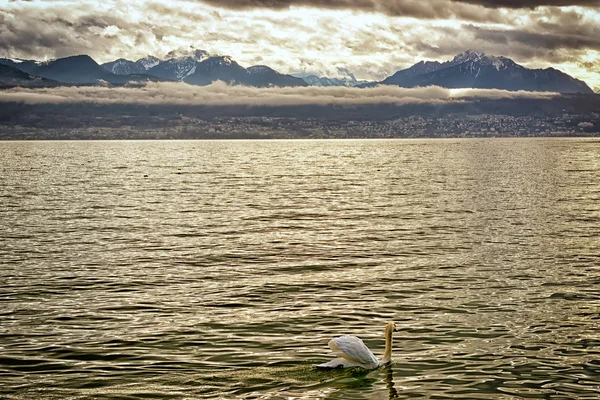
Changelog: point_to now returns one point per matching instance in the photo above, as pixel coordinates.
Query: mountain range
(176, 65)
(470, 69)
(344, 78)
(11, 77)
(198, 67)
(81, 69)
(474, 69)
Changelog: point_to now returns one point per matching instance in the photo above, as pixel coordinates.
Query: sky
(372, 38)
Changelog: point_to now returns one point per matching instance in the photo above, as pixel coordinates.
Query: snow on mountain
(123, 67)
(217, 68)
(148, 62)
(479, 57)
(498, 64)
(259, 69)
(191, 71)
(196, 54)
(469, 69)
(174, 68)
(337, 77)
(469, 55)
(179, 64)
(224, 60)
(79, 69)
(128, 67)
(199, 67)
(175, 65)
(475, 69)
(344, 74)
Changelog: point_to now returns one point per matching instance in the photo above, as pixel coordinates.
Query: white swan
(352, 352)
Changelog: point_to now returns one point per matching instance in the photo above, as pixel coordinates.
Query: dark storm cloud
(551, 40)
(52, 31)
(415, 8)
(60, 31)
(532, 3)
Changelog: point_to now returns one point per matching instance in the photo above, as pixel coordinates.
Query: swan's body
(352, 352)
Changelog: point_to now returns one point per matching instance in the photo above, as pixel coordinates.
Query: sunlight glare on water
(221, 269)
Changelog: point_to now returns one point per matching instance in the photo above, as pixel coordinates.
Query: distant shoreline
(426, 138)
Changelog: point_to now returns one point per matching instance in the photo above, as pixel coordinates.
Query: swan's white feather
(354, 350)
(338, 363)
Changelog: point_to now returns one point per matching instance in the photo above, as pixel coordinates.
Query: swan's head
(392, 326)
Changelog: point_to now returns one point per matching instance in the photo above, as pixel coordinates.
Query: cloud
(341, 33)
(531, 3)
(430, 9)
(221, 94)
(32, 97)
(417, 8)
(60, 31)
(547, 36)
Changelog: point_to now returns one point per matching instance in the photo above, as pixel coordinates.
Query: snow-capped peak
(120, 65)
(498, 63)
(226, 60)
(469, 55)
(148, 62)
(334, 76)
(345, 74)
(196, 54)
(480, 57)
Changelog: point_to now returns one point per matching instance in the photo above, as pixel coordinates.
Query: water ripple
(221, 269)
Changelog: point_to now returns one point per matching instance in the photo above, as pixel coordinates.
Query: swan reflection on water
(360, 380)
(389, 382)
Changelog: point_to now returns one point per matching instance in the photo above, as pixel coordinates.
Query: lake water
(216, 269)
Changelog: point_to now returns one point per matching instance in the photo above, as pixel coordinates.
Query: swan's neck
(387, 354)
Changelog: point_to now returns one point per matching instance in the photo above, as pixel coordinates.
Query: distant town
(264, 127)
(562, 115)
(38, 100)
